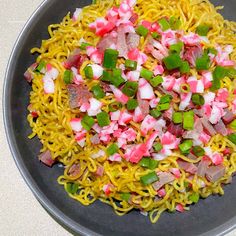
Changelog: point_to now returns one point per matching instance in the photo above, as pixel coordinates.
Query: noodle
(53, 129)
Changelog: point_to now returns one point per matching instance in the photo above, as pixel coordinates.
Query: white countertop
(20, 212)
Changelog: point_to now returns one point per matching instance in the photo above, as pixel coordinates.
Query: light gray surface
(20, 212)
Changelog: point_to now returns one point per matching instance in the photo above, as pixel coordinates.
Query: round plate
(212, 216)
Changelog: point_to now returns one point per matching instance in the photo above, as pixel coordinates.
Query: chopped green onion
(98, 92)
(94, 1)
(117, 79)
(176, 48)
(163, 107)
(175, 23)
(188, 120)
(194, 197)
(130, 88)
(163, 22)
(185, 146)
(198, 99)
(202, 30)
(185, 88)
(146, 74)
(72, 188)
(184, 68)
(232, 125)
(130, 65)
(68, 76)
(132, 104)
(155, 113)
(172, 61)
(211, 51)
(149, 178)
(231, 72)
(149, 163)
(157, 147)
(141, 30)
(232, 138)
(155, 35)
(203, 62)
(114, 106)
(218, 74)
(103, 119)
(156, 81)
(177, 117)
(87, 122)
(112, 149)
(198, 151)
(106, 76)
(88, 71)
(125, 196)
(41, 65)
(84, 45)
(110, 58)
(165, 99)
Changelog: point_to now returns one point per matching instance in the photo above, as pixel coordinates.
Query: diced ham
(115, 157)
(108, 41)
(107, 188)
(169, 141)
(95, 107)
(95, 139)
(214, 173)
(204, 138)
(28, 73)
(133, 75)
(94, 54)
(202, 167)
(124, 118)
(97, 71)
(161, 192)
(179, 207)
(136, 55)
(143, 104)
(164, 178)
(48, 85)
(99, 171)
(77, 14)
(208, 127)
(222, 57)
(158, 70)
(132, 40)
(191, 39)
(168, 37)
(74, 170)
(98, 154)
(216, 158)
(138, 115)
(207, 77)
(220, 128)
(222, 95)
(151, 139)
(134, 18)
(74, 60)
(122, 46)
(78, 94)
(46, 158)
(168, 82)
(176, 172)
(196, 86)
(187, 166)
(176, 130)
(228, 117)
(185, 100)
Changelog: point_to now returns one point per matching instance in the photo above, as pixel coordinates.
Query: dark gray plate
(213, 216)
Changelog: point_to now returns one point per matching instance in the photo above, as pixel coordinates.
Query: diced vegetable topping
(164, 24)
(203, 63)
(88, 71)
(84, 45)
(87, 122)
(114, 106)
(177, 117)
(157, 147)
(72, 188)
(194, 197)
(130, 65)
(98, 92)
(184, 68)
(176, 48)
(110, 58)
(149, 178)
(141, 30)
(130, 88)
(188, 120)
(232, 138)
(156, 81)
(132, 104)
(125, 196)
(68, 77)
(112, 149)
(103, 119)
(198, 99)
(155, 113)
(202, 30)
(232, 125)
(149, 163)
(146, 74)
(165, 99)
(198, 151)
(173, 61)
(186, 146)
